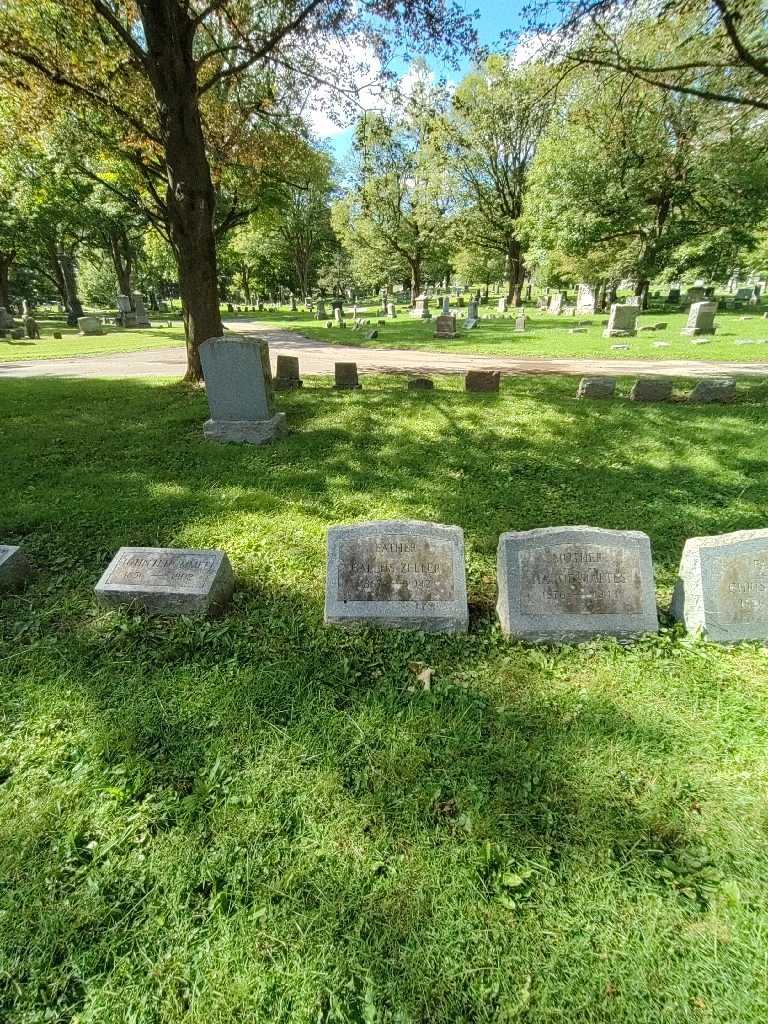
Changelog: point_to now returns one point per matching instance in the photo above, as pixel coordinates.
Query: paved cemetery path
(315, 357)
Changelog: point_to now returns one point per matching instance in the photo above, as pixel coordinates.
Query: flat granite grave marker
(238, 382)
(596, 387)
(404, 574)
(14, 567)
(168, 581)
(714, 389)
(575, 582)
(651, 389)
(345, 375)
(722, 586)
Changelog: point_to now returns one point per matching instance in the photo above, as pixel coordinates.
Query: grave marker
(238, 383)
(287, 377)
(701, 319)
(714, 389)
(345, 375)
(575, 582)
(485, 381)
(14, 567)
(651, 389)
(621, 321)
(445, 327)
(168, 581)
(596, 387)
(403, 574)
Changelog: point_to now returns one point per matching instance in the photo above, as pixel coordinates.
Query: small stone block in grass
(421, 384)
(486, 381)
(345, 375)
(651, 389)
(14, 567)
(720, 390)
(596, 387)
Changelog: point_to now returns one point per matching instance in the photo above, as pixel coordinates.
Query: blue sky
(496, 16)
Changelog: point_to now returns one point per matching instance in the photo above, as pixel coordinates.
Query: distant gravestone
(287, 377)
(238, 382)
(320, 313)
(400, 573)
(127, 314)
(660, 344)
(485, 381)
(345, 375)
(472, 311)
(14, 567)
(575, 582)
(89, 325)
(695, 294)
(585, 299)
(502, 304)
(30, 327)
(391, 311)
(337, 314)
(722, 586)
(421, 384)
(420, 310)
(470, 323)
(519, 324)
(714, 389)
(556, 303)
(445, 327)
(168, 581)
(673, 297)
(622, 321)
(578, 330)
(596, 387)
(142, 320)
(744, 294)
(701, 319)
(651, 389)
(446, 306)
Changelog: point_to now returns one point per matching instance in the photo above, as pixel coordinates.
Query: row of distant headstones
(647, 389)
(554, 584)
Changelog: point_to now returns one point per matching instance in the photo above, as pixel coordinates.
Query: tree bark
(516, 272)
(122, 262)
(73, 304)
(190, 196)
(6, 259)
(415, 280)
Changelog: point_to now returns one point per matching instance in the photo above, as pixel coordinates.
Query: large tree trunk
(122, 262)
(190, 196)
(415, 280)
(6, 259)
(73, 304)
(516, 272)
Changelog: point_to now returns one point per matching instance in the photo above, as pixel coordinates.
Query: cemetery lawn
(258, 818)
(546, 336)
(115, 339)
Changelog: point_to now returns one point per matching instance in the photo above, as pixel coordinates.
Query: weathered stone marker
(287, 376)
(168, 581)
(502, 305)
(714, 389)
(575, 582)
(482, 380)
(421, 384)
(722, 586)
(14, 567)
(89, 325)
(445, 327)
(651, 389)
(420, 310)
(238, 382)
(596, 387)
(556, 303)
(399, 573)
(519, 324)
(345, 375)
(701, 319)
(622, 321)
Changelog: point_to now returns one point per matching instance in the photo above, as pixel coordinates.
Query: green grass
(115, 339)
(261, 819)
(546, 336)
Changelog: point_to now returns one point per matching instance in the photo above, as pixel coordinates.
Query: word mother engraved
(168, 581)
(405, 574)
(722, 586)
(575, 582)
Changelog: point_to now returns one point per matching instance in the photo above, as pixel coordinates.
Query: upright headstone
(287, 377)
(472, 311)
(168, 581)
(238, 382)
(89, 325)
(556, 303)
(400, 573)
(519, 324)
(127, 315)
(482, 380)
(337, 314)
(575, 582)
(502, 304)
(142, 320)
(695, 294)
(585, 299)
(446, 306)
(420, 310)
(445, 327)
(622, 321)
(701, 319)
(345, 375)
(320, 314)
(722, 586)
(391, 311)
(673, 297)
(14, 567)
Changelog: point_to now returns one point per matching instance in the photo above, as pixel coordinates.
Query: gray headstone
(472, 311)
(470, 323)
(519, 324)
(14, 567)
(575, 582)
(420, 310)
(621, 321)
(124, 303)
(346, 376)
(662, 326)
(141, 314)
(585, 299)
(660, 344)
(722, 586)
(404, 574)
(89, 325)
(696, 294)
(446, 306)
(445, 327)
(421, 384)
(596, 387)
(713, 389)
(482, 380)
(168, 581)
(556, 303)
(391, 311)
(502, 305)
(651, 389)
(238, 382)
(701, 319)
(320, 313)
(287, 376)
